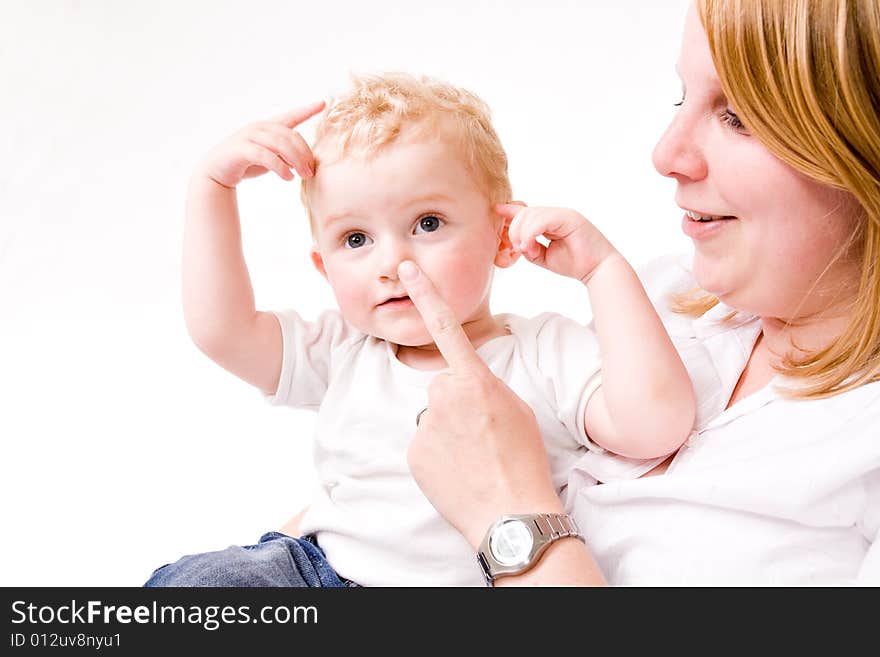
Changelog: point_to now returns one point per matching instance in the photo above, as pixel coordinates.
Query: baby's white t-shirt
(368, 514)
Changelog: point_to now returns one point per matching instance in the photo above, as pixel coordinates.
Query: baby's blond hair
(374, 112)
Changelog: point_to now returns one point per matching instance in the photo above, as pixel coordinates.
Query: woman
(776, 153)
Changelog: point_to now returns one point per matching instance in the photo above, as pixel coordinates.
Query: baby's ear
(506, 254)
(318, 261)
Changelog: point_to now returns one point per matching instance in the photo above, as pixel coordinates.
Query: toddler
(411, 169)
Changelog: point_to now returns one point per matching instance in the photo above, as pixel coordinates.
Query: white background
(123, 447)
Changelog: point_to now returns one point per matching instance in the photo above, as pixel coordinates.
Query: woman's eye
(428, 224)
(356, 240)
(732, 120)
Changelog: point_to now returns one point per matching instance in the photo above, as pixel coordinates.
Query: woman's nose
(679, 153)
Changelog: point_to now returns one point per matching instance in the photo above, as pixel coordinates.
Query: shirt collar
(714, 321)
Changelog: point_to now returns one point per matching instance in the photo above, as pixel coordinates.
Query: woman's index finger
(447, 333)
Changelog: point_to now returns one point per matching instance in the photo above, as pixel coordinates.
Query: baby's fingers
(293, 118)
(513, 214)
(525, 228)
(260, 156)
(289, 146)
(533, 251)
(509, 210)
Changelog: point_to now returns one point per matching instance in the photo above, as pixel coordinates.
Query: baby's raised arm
(218, 300)
(645, 406)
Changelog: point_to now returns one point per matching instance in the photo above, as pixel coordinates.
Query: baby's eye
(428, 224)
(356, 240)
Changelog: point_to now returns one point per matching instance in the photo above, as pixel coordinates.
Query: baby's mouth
(396, 301)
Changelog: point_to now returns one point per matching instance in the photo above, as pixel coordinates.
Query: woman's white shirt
(771, 491)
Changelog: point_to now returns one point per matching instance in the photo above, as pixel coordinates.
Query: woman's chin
(711, 279)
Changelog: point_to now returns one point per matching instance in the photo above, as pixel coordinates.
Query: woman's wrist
(539, 503)
(567, 562)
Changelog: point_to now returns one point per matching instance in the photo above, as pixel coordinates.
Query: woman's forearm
(566, 562)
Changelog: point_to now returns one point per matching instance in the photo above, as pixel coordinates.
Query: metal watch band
(545, 528)
(556, 525)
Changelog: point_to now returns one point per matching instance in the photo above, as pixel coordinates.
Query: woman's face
(772, 231)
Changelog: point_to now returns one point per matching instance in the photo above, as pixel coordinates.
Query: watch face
(511, 543)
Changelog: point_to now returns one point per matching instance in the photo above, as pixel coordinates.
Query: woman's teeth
(706, 217)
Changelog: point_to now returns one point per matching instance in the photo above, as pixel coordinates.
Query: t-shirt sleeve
(309, 349)
(567, 362)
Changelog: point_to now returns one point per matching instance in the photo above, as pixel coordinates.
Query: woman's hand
(477, 453)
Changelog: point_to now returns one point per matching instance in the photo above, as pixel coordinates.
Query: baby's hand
(263, 146)
(575, 249)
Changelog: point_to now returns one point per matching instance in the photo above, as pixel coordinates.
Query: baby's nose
(391, 255)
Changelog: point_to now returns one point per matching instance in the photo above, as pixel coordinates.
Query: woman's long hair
(804, 76)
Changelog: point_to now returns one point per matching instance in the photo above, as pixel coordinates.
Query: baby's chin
(409, 338)
(405, 332)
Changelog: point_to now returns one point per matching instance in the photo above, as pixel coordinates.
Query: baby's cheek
(350, 296)
(467, 282)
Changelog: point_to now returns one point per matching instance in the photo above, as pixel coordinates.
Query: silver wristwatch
(514, 544)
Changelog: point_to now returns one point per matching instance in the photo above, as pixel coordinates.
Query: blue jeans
(277, 560)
